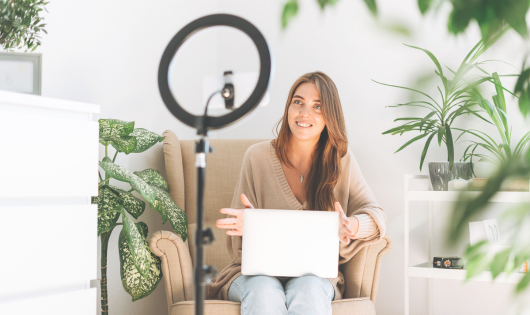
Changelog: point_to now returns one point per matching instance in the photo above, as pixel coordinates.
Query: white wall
(107, 53)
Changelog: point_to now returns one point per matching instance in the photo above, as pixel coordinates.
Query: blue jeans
(271, 296)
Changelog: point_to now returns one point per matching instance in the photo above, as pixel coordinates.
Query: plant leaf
(441, 131)
(499, 262)
(372, 5)
(425, 148)
(522, 88)
(477, 259)
(290, 9)
(107, 201)
(145, 139)
(136, 242)
(134, 283)
(176, 216)
(125, 144)
(153, 178)
(133, 205)
(122, 174)
(523, 284)
(424, 5)
(426, 118)
(450, 148)
(110, 129)
(411, 141)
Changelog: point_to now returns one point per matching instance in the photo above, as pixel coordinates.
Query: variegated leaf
(153, 178)
(145, 139)
(176, 216)
(160, 207)
(134, 205)
(106, 200)
(122, 174)
(136, 242)
(110, 129)
(125, 144)
(134, 283)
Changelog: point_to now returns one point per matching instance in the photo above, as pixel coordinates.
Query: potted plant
(20, 24)
(497, 152)
(455, 99)
(140, 269)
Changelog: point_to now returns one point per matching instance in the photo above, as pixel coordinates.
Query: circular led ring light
(183, 35)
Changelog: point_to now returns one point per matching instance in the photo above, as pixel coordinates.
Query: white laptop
(290, 243)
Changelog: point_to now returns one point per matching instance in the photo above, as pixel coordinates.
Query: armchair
(361, 273)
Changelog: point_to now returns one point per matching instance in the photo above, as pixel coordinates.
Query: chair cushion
(358, 306)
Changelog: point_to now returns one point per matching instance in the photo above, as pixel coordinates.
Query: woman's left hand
(347, 225)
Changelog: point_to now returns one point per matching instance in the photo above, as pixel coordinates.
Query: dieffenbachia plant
(140, 269)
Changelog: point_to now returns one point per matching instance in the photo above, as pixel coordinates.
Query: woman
(308, 166)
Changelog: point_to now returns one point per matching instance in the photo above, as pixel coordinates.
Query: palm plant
(456, 98)
(140, 269)
(503, 151)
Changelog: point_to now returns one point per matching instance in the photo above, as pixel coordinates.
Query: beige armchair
(361, 272)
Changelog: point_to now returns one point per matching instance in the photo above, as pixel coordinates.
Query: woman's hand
(347, 225)
(234, 225)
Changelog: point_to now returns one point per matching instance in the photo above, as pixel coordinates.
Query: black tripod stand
(204, 274)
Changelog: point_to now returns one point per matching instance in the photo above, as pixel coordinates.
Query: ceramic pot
(440, 174)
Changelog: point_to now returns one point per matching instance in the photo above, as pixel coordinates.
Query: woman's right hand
(234, 225)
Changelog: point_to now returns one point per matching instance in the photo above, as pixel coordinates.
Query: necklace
(301, 175)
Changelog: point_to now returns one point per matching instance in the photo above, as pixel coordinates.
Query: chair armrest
(361, 273)
(177, 268)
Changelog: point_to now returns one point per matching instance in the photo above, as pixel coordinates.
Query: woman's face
(305, 113)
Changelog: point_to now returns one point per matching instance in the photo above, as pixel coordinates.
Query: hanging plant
(20, 24)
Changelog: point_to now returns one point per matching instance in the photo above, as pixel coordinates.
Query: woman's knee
(257, 287)
(310, 285)
(259, 295)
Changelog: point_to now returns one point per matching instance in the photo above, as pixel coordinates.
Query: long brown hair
(326, 166)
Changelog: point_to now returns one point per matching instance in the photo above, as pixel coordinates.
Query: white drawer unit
(49, 158)
(78, 302)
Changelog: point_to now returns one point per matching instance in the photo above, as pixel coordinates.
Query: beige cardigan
(263, 182)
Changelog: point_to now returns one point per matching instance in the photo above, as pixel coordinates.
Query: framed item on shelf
(21, 72)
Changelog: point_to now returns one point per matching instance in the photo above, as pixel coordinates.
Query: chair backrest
(222, 172)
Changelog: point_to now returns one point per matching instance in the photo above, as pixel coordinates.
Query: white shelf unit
(425, 270)
(49, 226)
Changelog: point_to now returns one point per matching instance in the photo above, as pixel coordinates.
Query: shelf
(426, 270)
(502, 196)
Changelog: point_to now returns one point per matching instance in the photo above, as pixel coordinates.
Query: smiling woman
(307, 167)
(314, 139)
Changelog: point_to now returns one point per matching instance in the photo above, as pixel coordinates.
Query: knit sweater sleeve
(367, 226)
(245, 185)
(363, 205)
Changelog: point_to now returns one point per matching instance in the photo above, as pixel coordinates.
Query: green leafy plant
(498, 152)
(140, 269)
(20, 23)
(491, 16)
(480, 257)
(455, 98)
